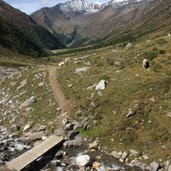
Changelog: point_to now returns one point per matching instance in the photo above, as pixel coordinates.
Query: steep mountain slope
(111, 21)
(65, 18)
(20, 33)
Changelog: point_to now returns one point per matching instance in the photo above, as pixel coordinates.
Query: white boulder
(81, 161)
(101, 85)
(83, 69)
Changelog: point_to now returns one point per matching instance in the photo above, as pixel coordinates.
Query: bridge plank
(28, 157)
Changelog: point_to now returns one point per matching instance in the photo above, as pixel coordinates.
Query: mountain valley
(77, 71)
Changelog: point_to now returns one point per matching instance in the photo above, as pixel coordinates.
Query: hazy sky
(29, 6)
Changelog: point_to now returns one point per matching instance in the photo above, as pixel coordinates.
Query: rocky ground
(19, 134)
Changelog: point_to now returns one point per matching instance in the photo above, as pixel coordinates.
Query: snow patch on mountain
(79, 5)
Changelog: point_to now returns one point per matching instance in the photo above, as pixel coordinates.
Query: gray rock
(77, 142)
(3, 101)
(169, 168)
(154, 166)
(101, 85)
(28, 102)
(134, 153)
(42, 128)
(68, 127)
(58, 168)
(21, 147)
(26, 128)
(22, 84)
(83, 69)
(35, 136)
(117, 63)
(72, 134)
(59, 155)
(78, 113)
(28, 109)
(169, 114)
(115, 154)
(81, 161)
(129, 45)
(59, 132)
(41, 84)
(130, 113)
(124, 155)
(93, 145)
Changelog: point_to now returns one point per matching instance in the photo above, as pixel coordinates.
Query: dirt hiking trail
(57, 92)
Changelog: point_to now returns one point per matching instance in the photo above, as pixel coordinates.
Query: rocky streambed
(76, 154)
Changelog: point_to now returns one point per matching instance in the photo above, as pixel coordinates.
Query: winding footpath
(57, 92)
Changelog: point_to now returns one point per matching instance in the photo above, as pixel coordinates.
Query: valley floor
(132, 112)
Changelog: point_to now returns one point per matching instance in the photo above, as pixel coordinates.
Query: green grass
(128, 87)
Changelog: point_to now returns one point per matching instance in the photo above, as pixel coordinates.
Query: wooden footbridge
(33, 154)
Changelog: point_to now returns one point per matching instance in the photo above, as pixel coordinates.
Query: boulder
(129, 45)
(130, 113)
(35, 136)
(59, 155)
(83, 69)
(96, 166)
(146, 64)
(82, 161)
(115, 154)
(101, 85)
(42, 128)
(21, 147)
(72, 134)
(69, 127)
(124, 155)
(28, 102)
(94, 145)
(134, 152)
(41, 84)
(27, 127)
(61, 63)
(22, 84)
(169, 114)
(154, 166)
(169, 168)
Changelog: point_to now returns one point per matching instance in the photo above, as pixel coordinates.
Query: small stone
(58, 109)
(134, 152)
(41, 84)
(124, 155)
(42, 128)
(35, 136)
(115, 154)
(73, 134)
(26, 128)
(169, 168)
(28, 109)
(93, 145)
(21, 147)
(96, 166)
(130, 113)
(81, 161)
(28, 102)
(169, 114)
(101, 85)
(129, 45)
(68, 127)
(59, 155)
(83, 69)
(154, 166)
(145, 157)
